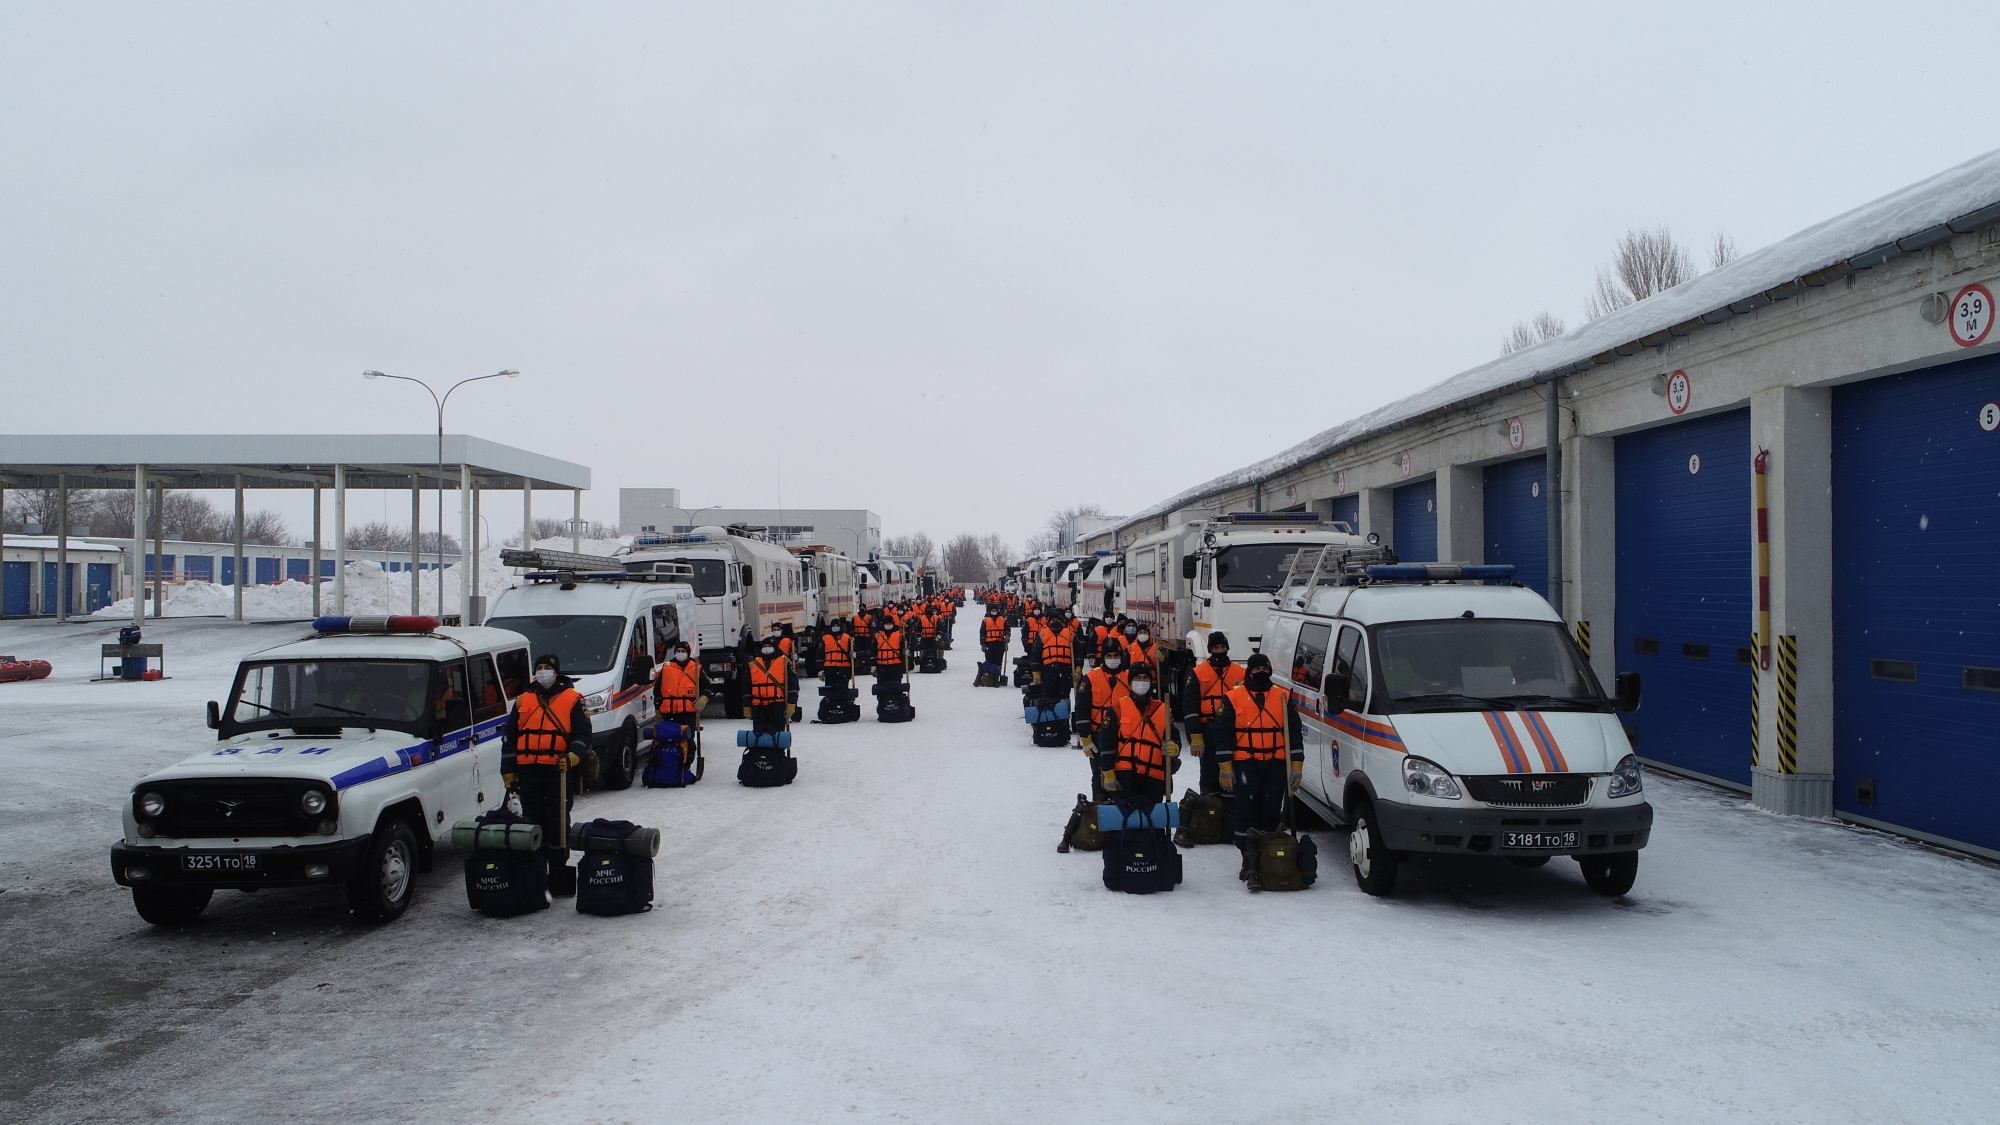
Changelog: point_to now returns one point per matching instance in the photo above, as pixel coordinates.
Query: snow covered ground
(895, 937)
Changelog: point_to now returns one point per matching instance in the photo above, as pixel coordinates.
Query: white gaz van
(1446, 709)
(338, 759)
(611, 630)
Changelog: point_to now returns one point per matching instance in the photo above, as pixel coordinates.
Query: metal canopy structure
(156, 462)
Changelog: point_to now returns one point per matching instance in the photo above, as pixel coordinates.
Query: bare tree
(1721, 250)
(1050, 535)
(1544, 325)
(40, 506)
(965, 560)
(266, 527)
(998, 554)
(191, 517)
(917, 546)
(1644, 263)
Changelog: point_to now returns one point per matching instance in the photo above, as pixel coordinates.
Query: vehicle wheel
(1374, 864)
(621, 762)
(1530, 861)
(170, 906)
(382, 889)
(1610, 875)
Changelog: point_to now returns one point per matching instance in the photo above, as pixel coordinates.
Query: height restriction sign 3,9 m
(1971, 316)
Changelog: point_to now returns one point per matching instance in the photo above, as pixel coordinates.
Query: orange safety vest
(889, 646)
(1055, 646)
(767, 680)
(679, 683)
(541, 728)
(785, 645)
(1215, 685)
(1141, 730)
(1106, 688)
(927, 625)
(993, 630)
(1260, 724)
(835, 650)
(1136, 653)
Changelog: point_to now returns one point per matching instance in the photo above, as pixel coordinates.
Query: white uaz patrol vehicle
(610, 629)
(338, 759)
(1446, 709)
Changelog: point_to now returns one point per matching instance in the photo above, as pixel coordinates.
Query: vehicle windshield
(1474, 664)
(585, 643)
(328, 693)
(710, 580)
(1253, 569)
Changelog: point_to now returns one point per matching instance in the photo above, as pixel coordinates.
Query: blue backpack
(673, 765)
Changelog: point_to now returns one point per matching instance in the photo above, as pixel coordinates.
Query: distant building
(857, 531)
(1070, 539)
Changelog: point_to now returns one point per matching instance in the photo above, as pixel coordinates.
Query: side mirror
(1187, 567)
(1628, 691)
(749, 576)
(1336, 687)
(214, 715)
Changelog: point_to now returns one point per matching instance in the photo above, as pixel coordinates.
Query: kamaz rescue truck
(1097, 586)
(829, 583)
(1445, 709)
(746, 585)
(1216, 575)
(611, 629)
(339, 759)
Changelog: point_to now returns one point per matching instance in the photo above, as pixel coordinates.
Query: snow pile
(371, 590)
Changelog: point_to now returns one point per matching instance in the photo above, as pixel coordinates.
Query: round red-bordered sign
(1403, 462)
(1680, 392)
(1517, 434)
(1971, 316)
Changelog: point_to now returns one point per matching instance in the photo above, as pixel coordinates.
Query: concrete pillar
(62, 547)
(238, 588)
(318, 535)
(1796, 426)
(1461, 512)
(139, 544)
(1591, 472)
(340, 539)
(576, 520)
(465, 563)
(3, 554)
(527, 514)
(159, 549)
(1378, 513)
(416, 536)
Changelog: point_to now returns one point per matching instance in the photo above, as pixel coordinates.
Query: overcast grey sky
(960, 264)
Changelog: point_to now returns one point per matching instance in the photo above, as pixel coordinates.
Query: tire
(1610, 875)
(1374, 864)
(1529, 861)
(382, 889)
(621, 762)
(170, 906)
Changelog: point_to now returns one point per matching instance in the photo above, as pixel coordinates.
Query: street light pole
(440, 400)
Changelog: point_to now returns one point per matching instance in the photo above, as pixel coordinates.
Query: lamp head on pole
(371, 374)
(511, 374)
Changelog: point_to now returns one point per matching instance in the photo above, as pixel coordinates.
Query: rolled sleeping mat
(496, 837)
(641, 842)
(776, 740)
(840, 692)
(1165, 814)
(891, 689)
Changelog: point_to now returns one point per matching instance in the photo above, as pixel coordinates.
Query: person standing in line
(774, 687)
(1135, 745)
(545, 738)
(1266, 750)
(1213, 679)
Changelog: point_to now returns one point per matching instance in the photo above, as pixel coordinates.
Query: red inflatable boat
(12, 669)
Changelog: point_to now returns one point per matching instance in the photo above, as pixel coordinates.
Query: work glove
(1226, 775)
(1195, 743)
(700, 702)
(1172, 748)
(1110, 778)
(1298, 772)
(507, 779)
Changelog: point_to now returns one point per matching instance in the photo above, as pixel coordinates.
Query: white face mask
(1145, 638)
(1112, 663)
(769, 651)
(680, 658)
(545, 676)
(1141, 687)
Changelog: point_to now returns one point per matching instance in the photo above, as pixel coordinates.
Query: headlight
(1626, 779)
(1428, 779)
(151, 804)
(313, 802)
(597, 700)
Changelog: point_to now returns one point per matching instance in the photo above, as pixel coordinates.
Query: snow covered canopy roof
(1928, 212)
(274, 461)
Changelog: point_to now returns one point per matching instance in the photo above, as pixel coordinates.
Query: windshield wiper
(317, 706)
(1486, 702)
(1557, 701)
(261, 707)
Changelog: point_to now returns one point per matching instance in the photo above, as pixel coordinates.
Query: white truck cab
(1447, 710)
(746, 586)
(611, 630)
(340, 758)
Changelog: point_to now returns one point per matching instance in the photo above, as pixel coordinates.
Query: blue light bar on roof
(375, 625)
(1440, 572)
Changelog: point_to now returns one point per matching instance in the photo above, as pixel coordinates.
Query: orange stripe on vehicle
(1503, 737)
(1545, 742)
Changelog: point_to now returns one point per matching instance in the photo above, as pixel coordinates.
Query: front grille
(234, 807)
(1530, 790)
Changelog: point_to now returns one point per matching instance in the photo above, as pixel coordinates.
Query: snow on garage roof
(1923, 214)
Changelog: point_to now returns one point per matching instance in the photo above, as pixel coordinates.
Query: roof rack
(1334, 564)
(1271, 517)
(545, 559)
(1442, 572)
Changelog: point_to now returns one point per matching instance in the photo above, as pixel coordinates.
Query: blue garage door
(267, 571)
(1347, 510)
(1416, 538)
(97, 587)
(1684, 609)
(1517, 520)
(200, 568)
(50, 599)
(1916, 601)
(18, 579)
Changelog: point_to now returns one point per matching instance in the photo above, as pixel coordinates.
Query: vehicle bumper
(282, 866)
(1428, 828)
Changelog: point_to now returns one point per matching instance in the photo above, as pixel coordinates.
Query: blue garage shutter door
(229, 570)
(19, 599)
(1347, 510)
(1517, 520)
(1916, 601)
(298, 569)
(1417, 522)
(200, 568)
(267, 571)
(97, 587)
(1685, 525)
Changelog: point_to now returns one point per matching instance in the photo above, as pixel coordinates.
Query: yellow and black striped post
(1788, 704)
(1756, 705)
(1583, 638)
